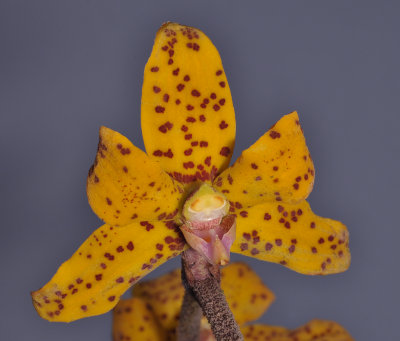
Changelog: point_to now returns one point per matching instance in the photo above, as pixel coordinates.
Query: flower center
(205, 205)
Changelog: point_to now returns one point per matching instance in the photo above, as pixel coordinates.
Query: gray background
(68, 67)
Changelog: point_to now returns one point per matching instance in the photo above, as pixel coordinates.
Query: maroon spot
(254, 251)
(189, 107)
(170, 61)
(216, 107)
(221, 101)
(103, 266)
(195, 93)
(83, 307)
(340, 253)
(287, 225)
(130, 246)
(330, 238)
(268, 246)
(202, 118)
(321, 240)
(203, 105)
(184, 128)
(171, 52)
(169, 239)
(120, 249)
(222, 84)
(111, 298)
(278, 242)
(206, 100)
(274, 134)
(333, 247)
(296, 186)
(188, 136)
(188, 152)
(180, 87)
(98, 277)
(175, 72)
(298, 179)
(292, 248)
(125, 169)
(194, 143)
(246, 236)
(190, 119)
(189, 164)
(166, 98)
(244, 214)
(280, 208)
(96, 179)
(79, 280)
(254, 166)
(186, 78)
(314, 249)
(159, 109)
(120, 280)
(156, 89)
(223, 125)
(109, 202)
(169, 154)
(203, 144)
(323, 266)
(154, 69)
(157, 153)
(213, 96)
(159, 247)
(219, 72)
(299, 212)
(312, 225)
(281, 220)
(165, 48)
(267, 216)
(225, 151)
(244, 246)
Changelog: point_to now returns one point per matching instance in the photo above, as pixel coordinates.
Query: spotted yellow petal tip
(188, 119)
(110, 261)
(125, 185)
(292, 235)
(278, 167)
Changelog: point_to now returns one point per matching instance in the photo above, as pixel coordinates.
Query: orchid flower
(181, 192)
(153, 311)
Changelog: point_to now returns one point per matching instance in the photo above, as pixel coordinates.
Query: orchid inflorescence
(153, 312)
(182, 193)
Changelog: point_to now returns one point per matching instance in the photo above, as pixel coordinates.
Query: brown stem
(203, 280)
(189, 319)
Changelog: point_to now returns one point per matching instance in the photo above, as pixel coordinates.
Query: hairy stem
(202, 280)
(189, 319)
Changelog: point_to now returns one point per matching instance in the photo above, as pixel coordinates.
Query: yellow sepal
(247, 296)
(278, 167)
(125, 185)
(104, 267)
(294, 236)
(188, 120)
(133, 320)
(315, 330)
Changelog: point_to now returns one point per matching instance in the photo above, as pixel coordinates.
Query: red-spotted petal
(292, 235)
(188, 120)
(278, 167)
(104, 267)
(125, 185)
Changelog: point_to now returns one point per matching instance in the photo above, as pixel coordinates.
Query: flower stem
(189, 319)
(202, 280)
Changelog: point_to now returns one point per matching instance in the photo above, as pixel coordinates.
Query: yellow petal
(294, 236)
(247, 295)
(278, 167)
(320, 330)
(104, 267)
(164, 295)
(188, 120)
(258, 332)
(124, 184)
(315, 330)
(133, 320)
